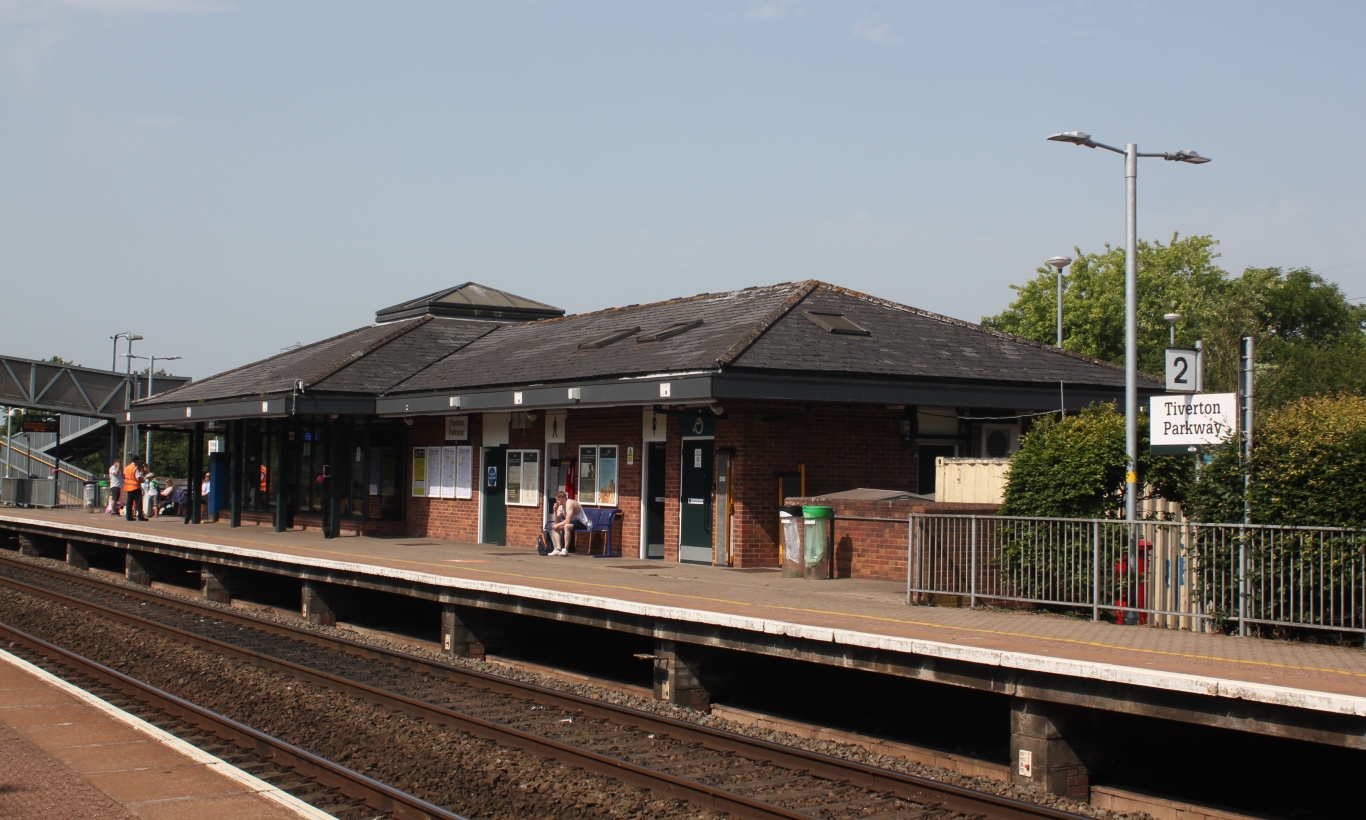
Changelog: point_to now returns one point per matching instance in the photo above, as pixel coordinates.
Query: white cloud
(875, 29)
(24, 11)
(770, 9)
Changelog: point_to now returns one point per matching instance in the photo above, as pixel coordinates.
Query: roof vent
(836, 323)
(670, 331)
(614, 336)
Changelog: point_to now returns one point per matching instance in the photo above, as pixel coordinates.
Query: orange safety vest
(130, 478)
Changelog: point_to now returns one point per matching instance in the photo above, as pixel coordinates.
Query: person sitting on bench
(572, 519)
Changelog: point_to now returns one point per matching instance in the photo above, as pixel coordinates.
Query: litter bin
(790, 528)
(817, 526)
(90, 495)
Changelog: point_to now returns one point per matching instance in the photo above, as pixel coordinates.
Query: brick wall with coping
(841, 447)
(872, 538)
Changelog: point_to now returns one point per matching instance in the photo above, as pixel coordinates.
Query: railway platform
(67, 754)
(1049, 666)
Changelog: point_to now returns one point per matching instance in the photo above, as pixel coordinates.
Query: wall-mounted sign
(554, 426)
(457, 428)
(1184, 423)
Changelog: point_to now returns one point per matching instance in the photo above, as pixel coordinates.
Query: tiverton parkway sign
(1183, 423)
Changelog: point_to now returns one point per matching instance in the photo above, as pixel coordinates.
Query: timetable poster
(419, 471)
(448, 472)
(464, 472)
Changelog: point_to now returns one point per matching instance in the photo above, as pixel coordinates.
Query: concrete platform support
(316, 607)
(678, 678)
(77, 555)
(459, 628)
(1044, 742)
(28, 546)
(137, 568)
(217, 583)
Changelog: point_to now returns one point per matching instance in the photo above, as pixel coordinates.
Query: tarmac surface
(64, 754)
(870, 613)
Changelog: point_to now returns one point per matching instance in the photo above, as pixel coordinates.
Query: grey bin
(91, 493)
(790, 530)
(818, 526)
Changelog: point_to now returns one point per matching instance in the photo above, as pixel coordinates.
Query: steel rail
(350, 783)
(905, 786)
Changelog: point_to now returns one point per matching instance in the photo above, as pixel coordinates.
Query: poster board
(464, 472)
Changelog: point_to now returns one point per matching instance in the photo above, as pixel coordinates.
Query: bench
(601, 519)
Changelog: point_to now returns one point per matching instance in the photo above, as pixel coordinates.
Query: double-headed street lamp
(151, 374)
(127, 393)
(1131, 157)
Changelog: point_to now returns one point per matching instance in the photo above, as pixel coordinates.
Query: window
(836, 323)
(669, 332)
(524, 478)
(598, 475)
(614, 336)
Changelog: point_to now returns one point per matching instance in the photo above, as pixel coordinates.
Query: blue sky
(228, 177)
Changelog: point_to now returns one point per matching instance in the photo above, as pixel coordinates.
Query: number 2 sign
(1182, 371)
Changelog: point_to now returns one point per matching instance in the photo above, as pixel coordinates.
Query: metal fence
(1177, 575)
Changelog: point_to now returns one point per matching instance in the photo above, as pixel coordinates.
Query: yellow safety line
(979, 630)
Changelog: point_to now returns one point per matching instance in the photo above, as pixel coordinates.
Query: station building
(458, 415)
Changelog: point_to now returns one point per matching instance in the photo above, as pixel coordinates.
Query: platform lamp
(127, 389)
(151, 372)
(1058, 263)
(1131, 157)
(1171, 319)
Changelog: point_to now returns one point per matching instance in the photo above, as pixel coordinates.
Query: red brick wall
(872, 537)
(454, 518)
(841, 446)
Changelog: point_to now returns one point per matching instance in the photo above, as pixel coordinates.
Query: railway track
(709, 768)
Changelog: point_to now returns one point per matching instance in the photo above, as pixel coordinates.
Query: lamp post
(1131, 157)
(151, 372)
(127, 387)
(1171, 319)
(9, 437)
(1058, 263)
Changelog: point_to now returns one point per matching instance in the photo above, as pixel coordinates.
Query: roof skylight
(836, 323)
(614, 336)
(669, 332)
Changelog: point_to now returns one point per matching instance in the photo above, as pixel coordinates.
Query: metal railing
(1176, 575)
(26, 462)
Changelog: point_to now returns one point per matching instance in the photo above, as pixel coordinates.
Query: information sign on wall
(457, 428)
(1184, 423)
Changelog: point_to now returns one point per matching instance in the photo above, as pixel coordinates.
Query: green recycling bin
(818, 524)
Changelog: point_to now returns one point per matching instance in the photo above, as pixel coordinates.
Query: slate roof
(364, 361)
(548, 350)
(762, 329)
(471, 300)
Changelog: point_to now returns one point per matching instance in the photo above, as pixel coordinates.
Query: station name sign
(1182, 423)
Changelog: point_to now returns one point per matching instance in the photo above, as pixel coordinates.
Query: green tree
(1074, 468)
(1308, 468)
(1308, 337)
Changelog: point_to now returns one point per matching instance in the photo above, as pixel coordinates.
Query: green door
(695, 502)
(494, 483)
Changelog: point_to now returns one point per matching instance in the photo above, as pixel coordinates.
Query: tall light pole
(128, 392)
(1131, 157)
(151, 372)
(9, 437)
(1058, 263)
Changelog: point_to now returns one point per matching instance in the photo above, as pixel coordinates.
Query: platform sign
(1182, 373)
(1185, 423)
(48, 425)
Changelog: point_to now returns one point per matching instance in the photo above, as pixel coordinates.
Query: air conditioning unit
(999, 440)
